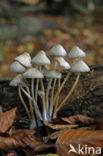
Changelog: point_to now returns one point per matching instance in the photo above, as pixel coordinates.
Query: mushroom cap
(18, 80)
(33, 73)
(53, 74)
(57, 50)
(24, 59)
(40, 58)
(16, 67)
(80, 66)
(63, 63)
(76, 52)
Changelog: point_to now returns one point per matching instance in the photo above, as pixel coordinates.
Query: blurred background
(33, 25)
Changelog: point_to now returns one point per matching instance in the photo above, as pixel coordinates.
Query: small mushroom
(40, 59)
(24, 59)
(78, 67)
(75, 53)
(16, 67)
(18, 81)
(53, 74)
(33, 73)
(57, 50)
(64, 64)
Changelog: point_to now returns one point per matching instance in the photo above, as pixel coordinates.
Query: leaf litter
(57, 137)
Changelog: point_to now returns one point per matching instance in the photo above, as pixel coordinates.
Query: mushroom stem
(62, 85)
(57, 99)
(23, 102)
(43, 102)
(52, 100)
(24, 91)
(30, 104)
(65, 79)
(70, 92)
(36, 90)
(47, 94)
(37, 111)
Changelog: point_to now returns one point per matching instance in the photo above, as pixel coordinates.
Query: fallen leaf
(74, 119)
(9, 143)
(83, 137)
(7, 118)
(58, 126)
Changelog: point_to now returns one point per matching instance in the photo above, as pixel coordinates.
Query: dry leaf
(9, 143)
(74, 119)
(7, 118)
(58, 126)
(82, 137)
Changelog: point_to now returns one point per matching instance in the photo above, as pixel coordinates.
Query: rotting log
(87, 98)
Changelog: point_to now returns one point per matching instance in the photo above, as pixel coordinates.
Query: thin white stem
(37, 111)
(47, 94)
(36, 90)
(62, 85)
(43, 101)
(30, 104)
(70, 92)
(57, 99)
(24, 91)
(52, 99)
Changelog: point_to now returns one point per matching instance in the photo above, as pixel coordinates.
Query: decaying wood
(86, 99)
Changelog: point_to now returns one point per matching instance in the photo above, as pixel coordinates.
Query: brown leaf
(58, 126)
(20, 133)
(82, 137)
(9, 143)
(74, 119)
(7, 118)
(26, 136)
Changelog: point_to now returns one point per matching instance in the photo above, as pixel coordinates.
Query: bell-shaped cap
(16, 67)
(80, 66)
(64, 64)
(18, 80)
(40, 58)
(57, 50)
(33, 73)
(76, 52)
(24, 59)
(53, 74)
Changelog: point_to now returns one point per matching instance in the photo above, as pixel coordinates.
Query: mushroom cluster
(38, 79)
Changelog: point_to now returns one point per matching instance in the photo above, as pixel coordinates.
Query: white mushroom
(40, 59)
(33, 73)
(18, 81)
(16, 67)
(63, 63)
(24, 59)
(78, 67)
(57, 50)
(51, 75)
(76, 52)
